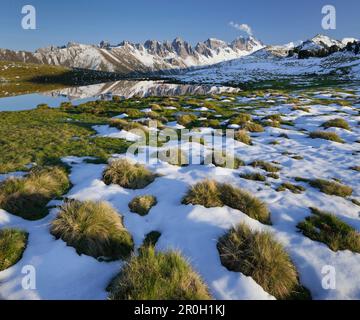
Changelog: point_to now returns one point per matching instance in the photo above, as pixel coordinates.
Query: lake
(105, 91)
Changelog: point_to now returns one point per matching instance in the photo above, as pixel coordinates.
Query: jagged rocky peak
(202, 49)
(213, 43)
(126, 43)
(152, 44)
(246, 44)
(182, 48)
(157, 48)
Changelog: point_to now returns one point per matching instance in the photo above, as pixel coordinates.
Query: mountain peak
(214, 43)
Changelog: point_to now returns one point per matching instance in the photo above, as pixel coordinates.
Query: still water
(105, 91)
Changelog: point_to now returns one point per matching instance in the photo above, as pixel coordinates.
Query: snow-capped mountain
(320, 56)
(130, 57)
(320, 46)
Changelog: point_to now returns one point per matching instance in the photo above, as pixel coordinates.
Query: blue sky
(89, 21)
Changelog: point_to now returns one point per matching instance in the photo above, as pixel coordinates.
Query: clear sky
(89, 21)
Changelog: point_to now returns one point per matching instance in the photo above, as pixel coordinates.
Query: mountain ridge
(128, 57)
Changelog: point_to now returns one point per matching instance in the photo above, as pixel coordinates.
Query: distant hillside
(18, 77)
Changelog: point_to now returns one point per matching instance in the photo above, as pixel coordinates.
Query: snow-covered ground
(262, 65)
(62, 274)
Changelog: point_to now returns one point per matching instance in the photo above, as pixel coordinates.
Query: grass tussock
(241, 119)
(127, 175)
(255, 176)
(331, 136)
(331, 187)
(265, 166)
(260, 256)
(28, 197)
(223, 160)
(94, 229)
(273, 175)
(142, 204)
(186, 120)
(337, 123)
(174, 156)
(210, 193)
(355, 168)
(158, 276)
(206, 193)
(12, 245)
(292, 187)
(243, 136)
(122, 124)
(327, 228)
(253, 127)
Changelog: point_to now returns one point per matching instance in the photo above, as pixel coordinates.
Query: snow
(345, 41)
(258, 67)
(192, 229)
(121, 116)
(107, 131)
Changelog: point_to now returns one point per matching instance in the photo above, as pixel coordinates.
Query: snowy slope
(264, 65)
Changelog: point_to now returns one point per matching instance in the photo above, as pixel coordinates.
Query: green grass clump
(242, 200)
(174, 156)
(243, 136)
(127, 175)
(241, 119)
(355, 168)
(331, 187)
(253, 127)
(265, 166)
(210, 193)
(274, 117)
(273, 175)
(332, 136)
(94, 229)
(122, 124)
(28, 197)
(205, 193)
(156, 107)
(12, 245)
(258, 255)
(142, 204)
(337, 123)
(158, 276)
(292, 187)
(255, 176)
(220, 159)
(327, 228)
(186, 120)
